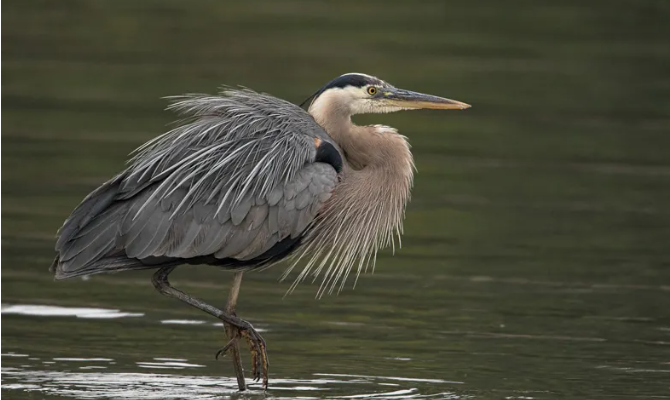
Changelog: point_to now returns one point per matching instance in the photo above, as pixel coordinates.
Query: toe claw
(259, 357)
(254, 358)
(224, 349)
(257, 347)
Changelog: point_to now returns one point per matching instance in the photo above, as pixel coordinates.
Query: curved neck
(367, 207)
(379, 167)
(329, 111)
(363, 146)
(366, 210)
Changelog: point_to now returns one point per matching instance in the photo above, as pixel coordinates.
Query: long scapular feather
(226, 150)
(237, 142)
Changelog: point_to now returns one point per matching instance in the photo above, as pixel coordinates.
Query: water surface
(535, 262)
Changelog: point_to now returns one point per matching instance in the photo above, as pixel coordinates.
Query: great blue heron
(248, 180)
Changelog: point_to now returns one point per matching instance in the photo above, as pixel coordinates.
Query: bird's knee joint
(161, 283)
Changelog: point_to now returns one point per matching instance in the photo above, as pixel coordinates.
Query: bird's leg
(256, 342)
(233, 333)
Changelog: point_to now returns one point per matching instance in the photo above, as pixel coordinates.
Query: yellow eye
(372, 90)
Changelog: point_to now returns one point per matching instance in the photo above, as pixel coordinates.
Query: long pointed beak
(413, 100)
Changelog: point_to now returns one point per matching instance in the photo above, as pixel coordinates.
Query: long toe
(225, 349)
(234, 335)
(259, 358)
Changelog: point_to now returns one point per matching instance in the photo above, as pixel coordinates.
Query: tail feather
(89, 241)
(83, 249)
(104, 265)
(94, 204)
(86, 241)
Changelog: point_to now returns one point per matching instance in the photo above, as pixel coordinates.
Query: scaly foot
(259, 357)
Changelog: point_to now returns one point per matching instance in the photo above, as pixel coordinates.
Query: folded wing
(237, 184)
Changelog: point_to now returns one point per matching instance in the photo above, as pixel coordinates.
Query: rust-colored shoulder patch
(317, 142)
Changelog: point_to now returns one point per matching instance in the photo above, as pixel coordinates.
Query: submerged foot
(259, 357)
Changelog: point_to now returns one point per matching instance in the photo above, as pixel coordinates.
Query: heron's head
(356, 93)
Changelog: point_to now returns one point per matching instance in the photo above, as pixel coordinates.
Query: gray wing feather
(275, 195)
(93, 205)
(137, 239)
(157, 229)
(215, 237)
(97, 240)
(303, 199)
(133, 222)
(187, 228)
(273, 219)
(261, 228)
(101, 245)
(238, 176)
(237, 144)
(286, 218)
(237, 244)
(257, 215)
(95, 226)
(254, 247)
(239, 212)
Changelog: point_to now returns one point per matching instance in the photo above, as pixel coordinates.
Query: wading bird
(248, 180)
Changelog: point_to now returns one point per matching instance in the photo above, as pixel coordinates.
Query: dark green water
(536, 260)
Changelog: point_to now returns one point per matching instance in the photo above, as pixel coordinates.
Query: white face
(373, 98)
(356, 100)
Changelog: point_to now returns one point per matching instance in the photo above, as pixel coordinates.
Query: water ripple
(56, 311)
(99, 385)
